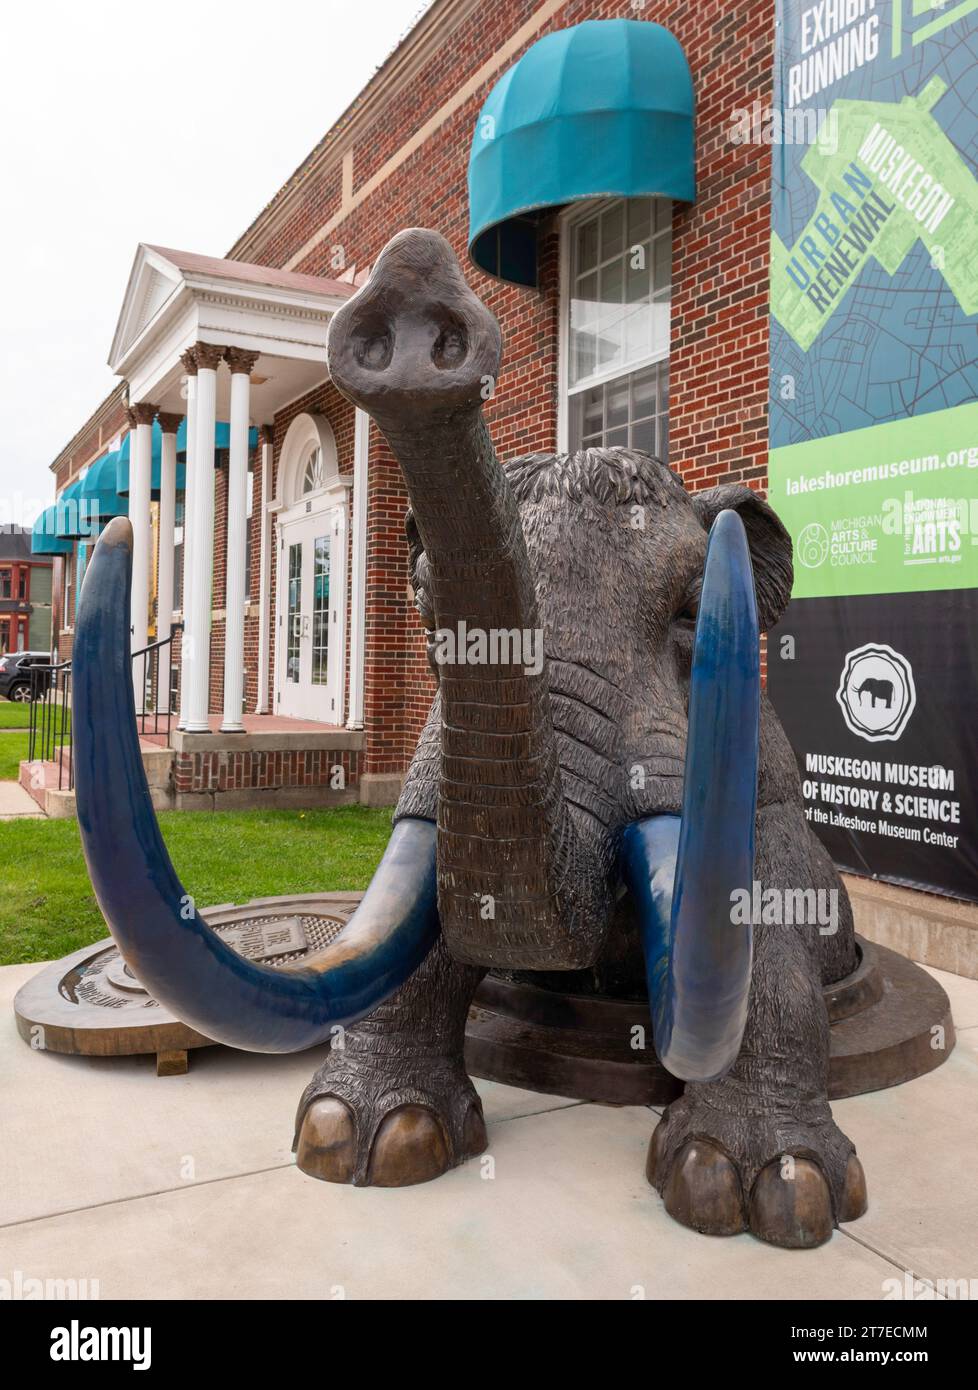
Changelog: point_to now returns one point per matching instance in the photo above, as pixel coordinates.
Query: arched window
(314, 476)
(308, 462)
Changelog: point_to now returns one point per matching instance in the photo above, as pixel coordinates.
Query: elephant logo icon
(878, 689)
(876, 692)
(812, 545)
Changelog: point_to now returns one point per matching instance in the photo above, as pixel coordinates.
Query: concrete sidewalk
(184, 1187)
(16, 803)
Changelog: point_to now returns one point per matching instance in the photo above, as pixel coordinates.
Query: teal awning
(75, 516)
(602, 110)
(222, 440)
(44, 539)
(100, 488)
(222, 437)
(122, 465)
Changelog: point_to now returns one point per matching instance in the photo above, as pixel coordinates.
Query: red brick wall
(223, 771)
(718, 371)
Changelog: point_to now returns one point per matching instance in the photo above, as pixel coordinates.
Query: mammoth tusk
(683, 871)
(175, 954)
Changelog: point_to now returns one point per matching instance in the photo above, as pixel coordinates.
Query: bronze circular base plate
(91, 1004)
(890, 1021)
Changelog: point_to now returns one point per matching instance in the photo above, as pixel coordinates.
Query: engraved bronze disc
(91, 1004)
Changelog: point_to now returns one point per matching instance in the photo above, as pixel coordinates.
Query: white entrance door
(311, 563)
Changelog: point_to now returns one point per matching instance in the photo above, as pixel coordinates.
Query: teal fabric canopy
(44, 539)
(74, 515)
(100, 488)
(604, 109)
(222, 440)
(222, 437)
(122, 465)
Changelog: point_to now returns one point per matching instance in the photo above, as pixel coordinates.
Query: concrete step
(41, 780)
(59, 805)
(157, 763)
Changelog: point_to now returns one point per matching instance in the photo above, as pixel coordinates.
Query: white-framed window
(616, 293)
(314, 471)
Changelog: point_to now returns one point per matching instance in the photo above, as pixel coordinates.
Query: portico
(209, 349)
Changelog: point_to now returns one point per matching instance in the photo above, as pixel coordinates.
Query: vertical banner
(874, 427)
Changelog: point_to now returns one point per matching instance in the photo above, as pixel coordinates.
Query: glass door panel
(293, 650)
(311, 576)
(320, 610)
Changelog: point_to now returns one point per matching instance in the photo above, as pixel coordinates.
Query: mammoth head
(415, 338)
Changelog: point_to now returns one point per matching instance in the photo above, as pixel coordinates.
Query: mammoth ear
(770, 544)
(419, 571)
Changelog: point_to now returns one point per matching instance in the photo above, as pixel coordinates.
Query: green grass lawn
(47, 907)
(13, 749)
(14, 715)
(17, 715)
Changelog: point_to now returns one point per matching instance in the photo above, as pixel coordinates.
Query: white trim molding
(265, 574)
(358, 593)
(175, 299)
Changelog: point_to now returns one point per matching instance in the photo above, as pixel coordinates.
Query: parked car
(15, 673)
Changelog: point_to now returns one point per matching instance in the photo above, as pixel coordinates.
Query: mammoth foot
(787, 1181)
(372, 1130)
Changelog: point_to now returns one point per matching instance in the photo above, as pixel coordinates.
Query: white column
(202, 557)
(189, 360)
(264, 564)
(141, 416)
(240, 364)
(164, 587)
(358, 589)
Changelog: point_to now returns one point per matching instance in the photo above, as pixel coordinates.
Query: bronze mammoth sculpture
(598, 780)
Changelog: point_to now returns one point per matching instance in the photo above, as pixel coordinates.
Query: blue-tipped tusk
(180, 960)
(683, 872)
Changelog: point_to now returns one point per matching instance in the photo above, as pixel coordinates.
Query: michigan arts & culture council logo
(812, 546)
(876, 692)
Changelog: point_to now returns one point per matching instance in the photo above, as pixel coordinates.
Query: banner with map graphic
(874, 427)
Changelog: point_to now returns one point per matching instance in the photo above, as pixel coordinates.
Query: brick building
(25, 594)
(283, 548)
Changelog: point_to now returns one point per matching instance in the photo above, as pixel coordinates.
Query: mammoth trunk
(517, 887)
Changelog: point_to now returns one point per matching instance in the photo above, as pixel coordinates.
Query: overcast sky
(125, 121)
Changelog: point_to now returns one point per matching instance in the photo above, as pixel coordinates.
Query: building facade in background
(273, 547)
(25, 594)
(665, 350)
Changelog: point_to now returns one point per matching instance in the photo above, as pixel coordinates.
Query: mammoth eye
(688, 609)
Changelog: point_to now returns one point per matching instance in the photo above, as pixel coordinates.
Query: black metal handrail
(49, 738)
(157, 703)
(50, 719)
